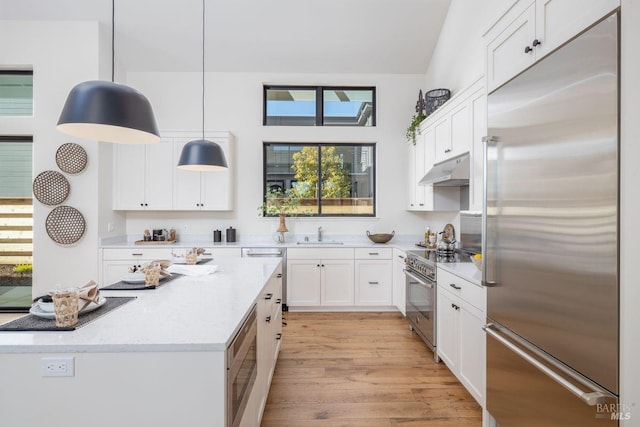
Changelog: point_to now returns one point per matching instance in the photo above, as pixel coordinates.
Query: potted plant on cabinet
(414, 128)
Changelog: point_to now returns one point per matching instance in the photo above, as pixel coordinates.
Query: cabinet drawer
(222, 252)
(467, 291)
(136, 253)
(374, 253)
(320, 253)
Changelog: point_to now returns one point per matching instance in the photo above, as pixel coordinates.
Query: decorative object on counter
(71, 158)
(281, 203)
(447, 243)
(146, 236)
(152, 242)
(435, 98)
(159, 235)
(420, 105)
(201, 154)
(191, 256)
(65, 225)
(231, 235)
(152, 274)
(65, 307)
(380, 237)
(477, 261)
(51, 188)
(109, 111)
(173, 234)
(217, 236)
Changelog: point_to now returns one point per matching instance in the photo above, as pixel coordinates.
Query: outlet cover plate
(57, 366)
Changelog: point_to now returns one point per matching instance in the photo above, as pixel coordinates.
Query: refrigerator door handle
(591, 398)
(487, 141)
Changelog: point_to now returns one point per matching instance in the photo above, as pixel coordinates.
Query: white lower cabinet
(374, 276)
(316, 282)
(461, 313)
(269, 315)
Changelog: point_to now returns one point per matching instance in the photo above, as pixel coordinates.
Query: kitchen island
(158, 360)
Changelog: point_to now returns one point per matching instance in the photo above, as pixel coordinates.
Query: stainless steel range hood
(453, 172)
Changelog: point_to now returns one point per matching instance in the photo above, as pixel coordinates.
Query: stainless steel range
(420, 273)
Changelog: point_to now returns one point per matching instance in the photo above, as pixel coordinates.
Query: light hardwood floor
(362, 369)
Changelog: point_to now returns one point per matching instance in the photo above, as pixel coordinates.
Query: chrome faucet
(319, 234)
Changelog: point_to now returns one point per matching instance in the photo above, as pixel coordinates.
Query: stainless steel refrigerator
(551, 238)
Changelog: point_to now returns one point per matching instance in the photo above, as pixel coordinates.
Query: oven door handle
(428, 285)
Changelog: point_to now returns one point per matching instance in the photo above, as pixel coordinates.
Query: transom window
(330, 179)
(319, 106)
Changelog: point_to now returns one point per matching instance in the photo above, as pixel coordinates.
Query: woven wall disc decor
(51, 188)
(65, 225)
(71, 158)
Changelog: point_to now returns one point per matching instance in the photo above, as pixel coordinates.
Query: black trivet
(35, 323)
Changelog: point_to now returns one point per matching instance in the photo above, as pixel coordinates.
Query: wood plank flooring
(362, 369)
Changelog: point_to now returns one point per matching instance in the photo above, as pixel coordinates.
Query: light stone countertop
(186, 314)
(402, 242)
(465, 270)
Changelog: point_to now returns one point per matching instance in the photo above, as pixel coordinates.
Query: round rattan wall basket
(71, 158)
(51, 188)
(65, 225)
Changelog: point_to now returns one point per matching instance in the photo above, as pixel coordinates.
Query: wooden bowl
(380, 237)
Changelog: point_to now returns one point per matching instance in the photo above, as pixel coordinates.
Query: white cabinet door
(559, 20)
(479, 130)
(419, 172)
(506, 54)
(460, 130)
(129, 177)
(303, 282)
(373, 283)
(159, 175)
(472, 352)
(412, 205)
(448, 330)
(217, 187)
(399, 282)
(186, 184)
(442, 139)
(337, 282)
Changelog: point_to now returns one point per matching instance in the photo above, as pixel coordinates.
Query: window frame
(319, 145)
(15, 72)
(319, 90)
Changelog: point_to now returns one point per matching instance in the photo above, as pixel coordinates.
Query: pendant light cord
(203, 35)
(113, 40)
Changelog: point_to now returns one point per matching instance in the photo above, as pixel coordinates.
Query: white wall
(62, 54)
(234, 103)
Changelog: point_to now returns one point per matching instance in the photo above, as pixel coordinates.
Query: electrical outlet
(57, 367)
(110, 227)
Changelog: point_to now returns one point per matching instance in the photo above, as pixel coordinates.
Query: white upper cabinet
(211, 191)
(479, 130)
(146, 176)
(143, 176)
(529, 30)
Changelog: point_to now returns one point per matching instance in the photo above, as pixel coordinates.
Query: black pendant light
(200, 154)
(109, 111)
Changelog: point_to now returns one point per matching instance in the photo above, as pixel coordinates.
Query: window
(331, 179)
(319, 106)
(16, 93)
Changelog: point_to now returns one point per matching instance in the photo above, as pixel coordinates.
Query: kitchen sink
(324, 242)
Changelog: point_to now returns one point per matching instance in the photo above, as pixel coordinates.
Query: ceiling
(279, 36)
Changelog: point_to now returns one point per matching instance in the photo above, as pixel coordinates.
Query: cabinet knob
(268, 296)
(536, 42)
(268, 319)
(279, 275)
(373, 283)
(421, 204)
(448, 150)
(141, 204)
(136, 254)
(278, 336)
(322, 265)
(528, 49)
(454, 286)
(318, 265)
(373, 253)
(278, 301)
(455, 307)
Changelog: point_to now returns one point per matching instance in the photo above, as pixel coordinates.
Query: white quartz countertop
(464, 270)
(186, 314)
(400, 242)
